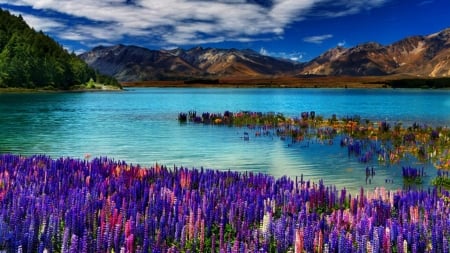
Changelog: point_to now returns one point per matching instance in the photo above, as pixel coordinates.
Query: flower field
(102, 205)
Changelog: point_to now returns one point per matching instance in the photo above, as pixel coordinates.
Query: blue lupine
(103, 205)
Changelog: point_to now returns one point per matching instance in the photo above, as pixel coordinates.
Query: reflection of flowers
(443, 160)
(412, 175)
(365, 140)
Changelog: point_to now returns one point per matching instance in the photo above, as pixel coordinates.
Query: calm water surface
(140, 126)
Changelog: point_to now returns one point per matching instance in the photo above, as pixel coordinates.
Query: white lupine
(326, 248)
(369, 248)
(265, 226)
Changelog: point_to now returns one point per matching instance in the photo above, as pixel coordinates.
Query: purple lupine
(74, 244)
(65, 242)
(376, 240)
(400, 244)
(445, 245)
(111, 205)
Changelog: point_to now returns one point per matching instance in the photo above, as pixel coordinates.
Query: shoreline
(275, 82)
(104, 88)
(341, 82)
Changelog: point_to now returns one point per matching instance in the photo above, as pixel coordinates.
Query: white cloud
(286, 11)
(263, 51)
(318, 39)
(341, 44)
(39, 23)
(179, 22)
(339, 8)
(293, 56)
(79, 51)
(76, 36)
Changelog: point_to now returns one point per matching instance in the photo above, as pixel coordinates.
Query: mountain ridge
(131, 63)
(423, 56)
(420, 56)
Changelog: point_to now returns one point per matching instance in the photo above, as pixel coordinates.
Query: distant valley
(417, 56)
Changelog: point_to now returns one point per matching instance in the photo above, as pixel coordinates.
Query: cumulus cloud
(318, 39)
(179, 22)
(39, 23)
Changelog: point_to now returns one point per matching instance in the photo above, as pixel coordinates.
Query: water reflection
(140, 126)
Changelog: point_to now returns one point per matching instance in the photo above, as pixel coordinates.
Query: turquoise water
(140, 126)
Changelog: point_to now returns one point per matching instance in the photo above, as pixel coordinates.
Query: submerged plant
(412, 175)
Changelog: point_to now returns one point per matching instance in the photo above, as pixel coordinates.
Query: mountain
(131, 63)
(31, 59)
(427, 56)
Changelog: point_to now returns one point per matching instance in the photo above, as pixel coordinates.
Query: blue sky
(295, 29)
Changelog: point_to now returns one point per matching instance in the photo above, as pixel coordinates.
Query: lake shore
(329, 82)
(97, 88)
(271, 82)
(339, 82)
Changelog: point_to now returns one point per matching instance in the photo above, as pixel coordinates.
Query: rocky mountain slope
(131, 63)
(425, 56)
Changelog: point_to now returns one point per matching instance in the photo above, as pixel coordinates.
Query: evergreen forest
(32, 60)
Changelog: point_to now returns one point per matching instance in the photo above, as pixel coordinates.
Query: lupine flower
(48, 205)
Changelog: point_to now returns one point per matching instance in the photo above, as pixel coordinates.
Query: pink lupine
(299, 243)
(202, 235)
(191, 225)
(387, 240)
(130, 243)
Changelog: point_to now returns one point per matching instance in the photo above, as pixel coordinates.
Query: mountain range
(423, 56)
(132, 63)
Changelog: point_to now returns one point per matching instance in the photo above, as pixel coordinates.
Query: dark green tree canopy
(30, 59)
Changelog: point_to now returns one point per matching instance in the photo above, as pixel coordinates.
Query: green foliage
(107, 80)
(90, 84)
(30, 59)
(442, 182)
(412, 181)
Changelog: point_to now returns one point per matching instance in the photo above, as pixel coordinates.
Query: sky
(293, 29)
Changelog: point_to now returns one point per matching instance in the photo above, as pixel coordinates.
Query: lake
(140, 125)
